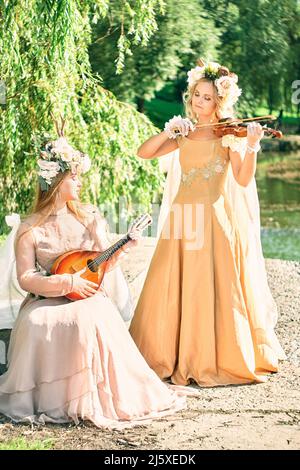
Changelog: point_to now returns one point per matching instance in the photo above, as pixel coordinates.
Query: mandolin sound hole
(92, 266)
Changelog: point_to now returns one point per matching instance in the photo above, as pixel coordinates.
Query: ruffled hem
(88, 401)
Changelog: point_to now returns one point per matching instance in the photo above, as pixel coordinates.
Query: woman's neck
(206, 120)
(60, 209)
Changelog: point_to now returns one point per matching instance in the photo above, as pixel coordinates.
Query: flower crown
(59, 156)
(225, 81)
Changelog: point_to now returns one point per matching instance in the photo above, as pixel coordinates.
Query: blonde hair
(222, 108)
(45, 201)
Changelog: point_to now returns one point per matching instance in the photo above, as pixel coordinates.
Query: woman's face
(203, 100)
(70, 188)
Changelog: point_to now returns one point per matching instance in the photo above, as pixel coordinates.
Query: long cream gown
(74, 360)
(196, 318)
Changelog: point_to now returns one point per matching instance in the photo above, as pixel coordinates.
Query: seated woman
(72, 360)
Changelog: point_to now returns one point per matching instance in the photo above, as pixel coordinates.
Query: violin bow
(238, 121)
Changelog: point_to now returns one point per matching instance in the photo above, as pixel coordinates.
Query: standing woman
(72, 360)
(206, 313)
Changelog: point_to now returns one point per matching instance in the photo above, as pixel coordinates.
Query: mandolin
(95, 263)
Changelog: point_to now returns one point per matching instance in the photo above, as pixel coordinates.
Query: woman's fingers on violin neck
(254, 128)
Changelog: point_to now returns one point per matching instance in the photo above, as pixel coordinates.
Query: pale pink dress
(74, 360)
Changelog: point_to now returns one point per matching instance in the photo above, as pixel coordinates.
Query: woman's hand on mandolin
(82, 286)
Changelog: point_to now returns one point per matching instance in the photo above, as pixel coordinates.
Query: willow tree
(45, 69)
(184, 33)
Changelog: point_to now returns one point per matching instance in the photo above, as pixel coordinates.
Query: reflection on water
(278, 184)
(281, 243)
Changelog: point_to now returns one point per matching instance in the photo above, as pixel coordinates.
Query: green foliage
(23, 444)
(45, 67)
(184, 32)
(260, 41)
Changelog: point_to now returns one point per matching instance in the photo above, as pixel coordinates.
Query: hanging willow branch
(54, 75)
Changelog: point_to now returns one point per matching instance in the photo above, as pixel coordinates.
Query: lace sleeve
(236, 144)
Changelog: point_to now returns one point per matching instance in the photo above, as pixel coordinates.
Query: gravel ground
(261, 416)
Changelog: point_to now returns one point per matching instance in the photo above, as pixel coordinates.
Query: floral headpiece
(225, 81)
(59, 156)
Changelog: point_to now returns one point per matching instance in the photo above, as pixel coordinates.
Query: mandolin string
(110, 251)
(114, 248)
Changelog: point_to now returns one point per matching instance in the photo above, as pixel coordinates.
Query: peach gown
(196, 320)
(75, 360)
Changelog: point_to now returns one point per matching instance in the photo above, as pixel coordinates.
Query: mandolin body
(74, 261)
(95, 263)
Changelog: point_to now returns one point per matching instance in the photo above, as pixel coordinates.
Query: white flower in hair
(225, 81)
(195, 74)
(59, 156)
(214, 66)
(227, 87)
(48, 165)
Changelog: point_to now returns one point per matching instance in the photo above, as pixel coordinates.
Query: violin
(238, 128)
(95, 262)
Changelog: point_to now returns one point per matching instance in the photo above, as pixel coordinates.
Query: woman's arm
(157, 146)
(28, 277)
(165, 142)
(244, 169)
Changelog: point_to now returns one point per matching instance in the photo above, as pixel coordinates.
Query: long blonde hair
(44, 205)
(222, 108)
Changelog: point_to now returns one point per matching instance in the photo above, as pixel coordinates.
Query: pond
(278, 184)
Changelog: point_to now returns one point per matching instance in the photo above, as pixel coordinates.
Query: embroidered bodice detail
(212, 168)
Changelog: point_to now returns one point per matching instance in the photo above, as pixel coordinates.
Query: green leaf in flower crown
(64, 166)
(43, 184)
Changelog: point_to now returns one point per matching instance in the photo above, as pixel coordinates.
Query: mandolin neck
(107, 254)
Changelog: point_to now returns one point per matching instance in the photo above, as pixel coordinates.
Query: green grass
(288, 118)
(160, 111)
(23, 444)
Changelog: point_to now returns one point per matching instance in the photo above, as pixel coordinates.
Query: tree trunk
(140, 104)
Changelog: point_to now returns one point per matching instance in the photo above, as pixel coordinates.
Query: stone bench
(4, 342)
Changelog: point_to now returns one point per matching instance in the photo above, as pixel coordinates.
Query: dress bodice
(204, 165)
(62, 233)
